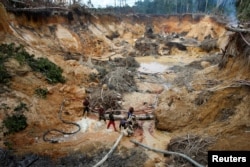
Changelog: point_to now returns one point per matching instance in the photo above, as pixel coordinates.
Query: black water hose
(60, 131)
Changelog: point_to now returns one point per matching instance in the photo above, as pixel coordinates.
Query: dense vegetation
(185, 6)
(51, 71)
(17, 121)
(231, 8)
(243, 8)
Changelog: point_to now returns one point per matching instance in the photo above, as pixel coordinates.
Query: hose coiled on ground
(60, 131)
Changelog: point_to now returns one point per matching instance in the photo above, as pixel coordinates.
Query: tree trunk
(110, 152)
(206, 6)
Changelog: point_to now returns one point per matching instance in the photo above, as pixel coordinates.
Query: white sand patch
(152, 68)
(99, 125)
(109, 130)
(86, 124)
(92, 125)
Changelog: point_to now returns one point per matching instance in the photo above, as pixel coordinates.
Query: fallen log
(243, 82)
(236, 29)
(38, 9)
(110, 151)
(168, 152)
(146, 116)
(138, 117)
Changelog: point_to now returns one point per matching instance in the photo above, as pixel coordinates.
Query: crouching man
(128, 131)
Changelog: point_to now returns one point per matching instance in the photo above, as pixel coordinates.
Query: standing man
(123, 123)
(101, 112)
(85, 107)
(130, 112)
(111, 120)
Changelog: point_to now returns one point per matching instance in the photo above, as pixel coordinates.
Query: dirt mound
(213, 100)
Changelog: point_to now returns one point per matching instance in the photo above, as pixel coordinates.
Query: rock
(105, 86)
(62, 88)
(113, 35)
(173, 114)
(66, 103)
(205, 64)
(209, 45)
(94, 71)
(157, 160)
(51, 89)
(15, 68)
(78, 92)
(69, 89)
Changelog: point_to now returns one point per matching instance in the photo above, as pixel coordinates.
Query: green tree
(243, 9)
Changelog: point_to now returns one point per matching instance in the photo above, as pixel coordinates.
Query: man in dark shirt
(101, 112)
(123, 123)
(130, 112)
(85, 107)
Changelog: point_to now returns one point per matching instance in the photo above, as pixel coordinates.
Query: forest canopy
(229, 8)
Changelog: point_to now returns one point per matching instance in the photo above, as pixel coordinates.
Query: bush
(243, 9)
(9, 145)
(4, 107)
(5, 51)
(21, 107)
(93, 77)
(101, 72)
(4, 76)
(42, 93)
(15, 123)
(52, 72)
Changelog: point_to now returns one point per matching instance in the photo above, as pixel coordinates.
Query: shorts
(86, 109)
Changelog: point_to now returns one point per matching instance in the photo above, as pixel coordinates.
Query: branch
(110, 152)
(244, 39)
(101, 94)
(235, 29)
(243, 82)
(38, 9)
(169, 152)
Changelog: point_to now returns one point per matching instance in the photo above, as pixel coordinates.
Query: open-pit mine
(186, 76)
